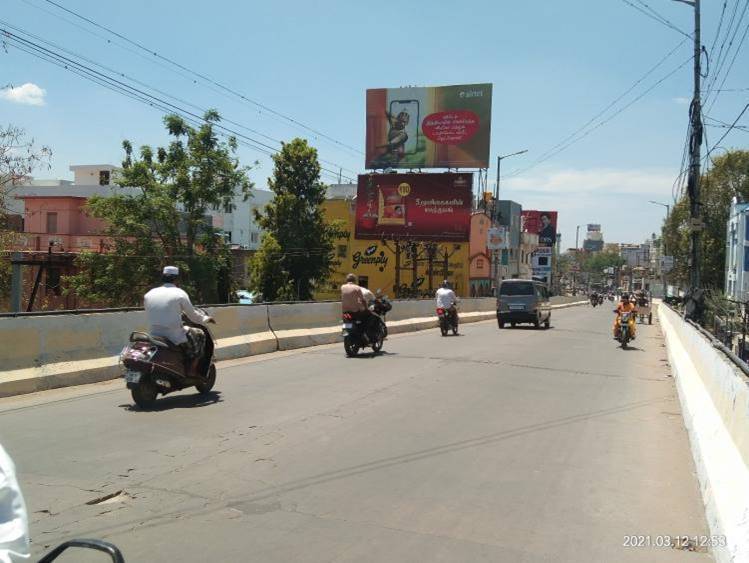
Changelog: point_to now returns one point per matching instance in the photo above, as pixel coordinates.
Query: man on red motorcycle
(446, 299)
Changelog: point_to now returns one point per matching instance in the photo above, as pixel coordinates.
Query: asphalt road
(512, 445)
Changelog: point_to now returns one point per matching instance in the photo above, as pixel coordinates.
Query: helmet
(625, 296)
(445, 284)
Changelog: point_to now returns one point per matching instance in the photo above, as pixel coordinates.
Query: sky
(554, 66)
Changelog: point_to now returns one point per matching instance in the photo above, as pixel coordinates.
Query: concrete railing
(714, 395)
(44, 352)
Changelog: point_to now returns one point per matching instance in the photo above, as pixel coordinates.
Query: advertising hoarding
(429, 127)
(542, 222)
(497, 238)
(594, 228)
(417, 206)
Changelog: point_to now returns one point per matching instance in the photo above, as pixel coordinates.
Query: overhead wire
(582, 133)
(203, 77)
(76, 67)
(649, 12)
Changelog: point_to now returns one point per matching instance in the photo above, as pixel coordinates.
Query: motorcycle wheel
(455, 329)
(144, 394)
(351, 347)
(205, 387)
(443, 328)
(624, 340)
(501, 324)
(377, 344)
(650, 318)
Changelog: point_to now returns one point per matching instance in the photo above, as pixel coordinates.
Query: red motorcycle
(155, 365)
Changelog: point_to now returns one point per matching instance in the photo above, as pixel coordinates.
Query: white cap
(171, 271)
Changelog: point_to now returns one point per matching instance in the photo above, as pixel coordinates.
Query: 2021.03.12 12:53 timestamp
(675, 542)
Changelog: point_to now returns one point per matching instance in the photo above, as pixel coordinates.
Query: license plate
(348, 325)
(132, 376)
(517, 307)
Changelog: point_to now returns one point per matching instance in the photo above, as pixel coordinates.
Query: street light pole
(499, 165)
(663, 243)
(495, 206)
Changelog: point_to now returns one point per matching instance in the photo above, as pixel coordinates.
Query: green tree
(296, 223)
(597, 262)
(19, 157)
(267, 274)
(728, 178)
(166, 221)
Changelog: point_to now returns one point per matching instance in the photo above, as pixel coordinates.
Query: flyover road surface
(495, 445)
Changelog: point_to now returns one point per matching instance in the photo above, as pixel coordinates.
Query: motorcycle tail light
(440, 311)
(347, 317)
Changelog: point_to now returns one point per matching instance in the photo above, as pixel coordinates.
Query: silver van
(523, 301)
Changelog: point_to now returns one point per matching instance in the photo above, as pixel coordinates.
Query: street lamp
(499, 165)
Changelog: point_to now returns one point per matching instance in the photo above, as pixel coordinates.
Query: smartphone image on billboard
(401, 108)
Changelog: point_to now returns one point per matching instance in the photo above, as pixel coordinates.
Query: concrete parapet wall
(44, 352)
(714, 395)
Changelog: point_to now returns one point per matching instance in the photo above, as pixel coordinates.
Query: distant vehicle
(245, 297)
(523, 301)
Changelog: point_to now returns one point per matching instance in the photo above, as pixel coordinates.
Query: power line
(202, 76)
(114, 84)
(652, 14)
(730, 128)
(163, 93)
(730, 66)
(724, 50)
(575, 138)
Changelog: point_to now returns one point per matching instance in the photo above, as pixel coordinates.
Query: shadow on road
(191, 401)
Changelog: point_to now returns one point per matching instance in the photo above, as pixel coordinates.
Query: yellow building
(374, 261)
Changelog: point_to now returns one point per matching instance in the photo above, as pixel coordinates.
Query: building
(737, 252)
(593, 239)
(482, 260)
(398, 268)
(635, 255)
(237, 221)
(54, 225)
(509, 215)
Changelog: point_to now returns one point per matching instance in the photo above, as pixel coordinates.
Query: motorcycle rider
(446, 299)
(354, 301)
(164, 307)
(625, 306)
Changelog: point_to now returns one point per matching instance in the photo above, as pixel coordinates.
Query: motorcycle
(600, 299)
(448, 320)
(155, 365)
(594, 300)
(625, 328)
(357, 335)
(381, 307)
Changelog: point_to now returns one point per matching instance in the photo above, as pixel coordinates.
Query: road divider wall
(714, 396)
(49, 351)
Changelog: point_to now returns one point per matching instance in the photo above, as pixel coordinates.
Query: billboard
(594, 228)
(417, 206)
(497, 238)
(542, 222)
(430, 127)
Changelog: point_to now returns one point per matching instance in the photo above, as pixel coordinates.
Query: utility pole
(695, 145)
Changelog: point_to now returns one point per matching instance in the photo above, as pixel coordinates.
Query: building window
(342, 250)
(104, 176)
(52, 223)
(53, 281)
(480, 263)
(254, 236)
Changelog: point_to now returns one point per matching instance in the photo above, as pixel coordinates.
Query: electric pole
(695, 145)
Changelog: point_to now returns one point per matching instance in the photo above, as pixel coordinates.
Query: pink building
(61, 221)
(480, 261)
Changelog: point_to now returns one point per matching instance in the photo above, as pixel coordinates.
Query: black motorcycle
(362, 330)
(381, 307)
(155, 365)
(448, 320)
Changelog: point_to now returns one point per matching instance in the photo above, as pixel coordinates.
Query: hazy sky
(554, 66)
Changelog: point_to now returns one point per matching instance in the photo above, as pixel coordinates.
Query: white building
(96, 179)
(737, 252)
